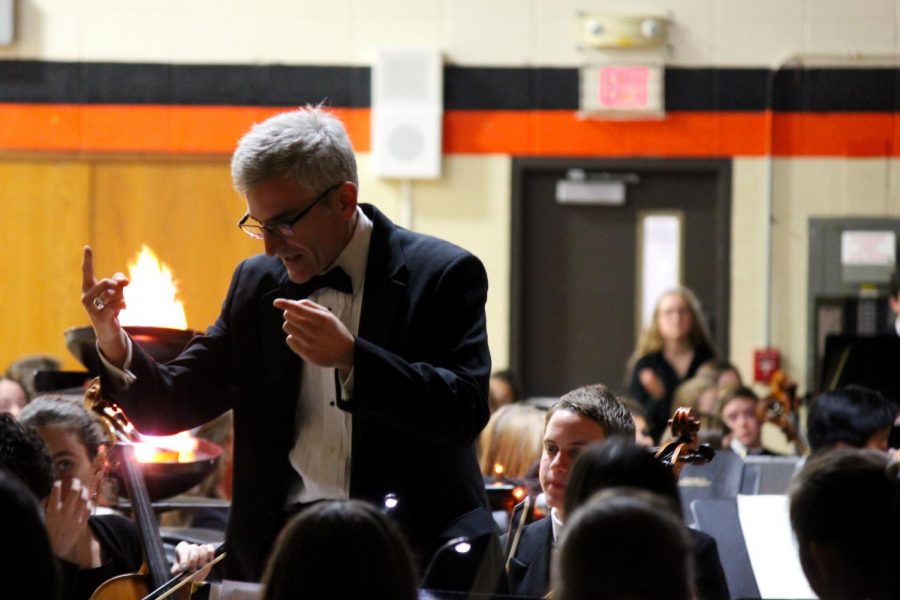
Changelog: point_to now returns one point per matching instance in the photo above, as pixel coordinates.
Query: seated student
(642, 435)
(852, 416)
(581, 417)
(702, 395)
(13, 396)
(743, 428)
(340, 550)
(846, 518)
(503, 389)
(624, 544)
(511, 442)
(25, 553)
(616, 463)
(724, 373)
(91, 549)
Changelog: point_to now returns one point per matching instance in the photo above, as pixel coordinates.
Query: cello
(153, 581)
(684, 449)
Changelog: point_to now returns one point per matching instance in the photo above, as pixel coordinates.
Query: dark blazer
(529, 569)
(420, 392)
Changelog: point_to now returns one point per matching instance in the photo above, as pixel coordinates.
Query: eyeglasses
(284, 229)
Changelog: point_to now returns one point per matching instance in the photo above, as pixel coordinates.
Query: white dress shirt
(322, 442)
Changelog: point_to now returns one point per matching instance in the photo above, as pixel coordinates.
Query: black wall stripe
(474, 88)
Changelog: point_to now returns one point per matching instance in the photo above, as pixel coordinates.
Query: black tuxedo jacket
(419, 401)
(528, 572)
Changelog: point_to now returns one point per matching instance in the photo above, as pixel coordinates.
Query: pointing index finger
(87, 270)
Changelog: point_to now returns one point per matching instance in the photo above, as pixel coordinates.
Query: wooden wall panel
(186, 212)
(44, 214)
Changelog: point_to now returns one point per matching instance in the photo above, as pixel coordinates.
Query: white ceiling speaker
(407, 112)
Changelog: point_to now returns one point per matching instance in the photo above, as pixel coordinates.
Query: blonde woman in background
(669, 351)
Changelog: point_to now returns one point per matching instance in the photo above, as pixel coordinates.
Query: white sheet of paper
(765, 521)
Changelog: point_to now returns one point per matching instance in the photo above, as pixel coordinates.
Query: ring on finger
(99, 303)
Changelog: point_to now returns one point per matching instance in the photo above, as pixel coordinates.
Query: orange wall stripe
(129, 129)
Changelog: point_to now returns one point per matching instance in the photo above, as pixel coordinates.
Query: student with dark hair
(852, 416)
(617, 463)
(623, 544)
(641, 428)
(25, 553)
(581, 417)
(340, 550)
(503, 389)
(57, 438)
(846, 516)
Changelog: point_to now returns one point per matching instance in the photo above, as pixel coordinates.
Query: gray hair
(308, 145)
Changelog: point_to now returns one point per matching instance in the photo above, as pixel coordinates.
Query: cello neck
(144, 517)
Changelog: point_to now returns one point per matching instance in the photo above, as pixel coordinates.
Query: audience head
(340, 550)
(511, 442)
(624, 544)
(583, 416)
(26, 556)
(738, 414)
(677, 317)
(618, 463)
(852, 416)
(73, 436)
(26, 368)
(846, 517)
(24, 454)
(503, 389)
(641, 428)
(701, 394)
(13, 396)
(725, 374)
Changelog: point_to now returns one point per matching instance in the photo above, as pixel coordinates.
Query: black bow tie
(335, 279)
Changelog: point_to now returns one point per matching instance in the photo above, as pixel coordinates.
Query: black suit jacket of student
(529, 569)
(419, 399)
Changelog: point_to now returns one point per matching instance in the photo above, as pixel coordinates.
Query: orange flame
(181, 447)
(151, 296)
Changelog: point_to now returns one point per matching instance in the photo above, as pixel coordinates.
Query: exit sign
(622, 91)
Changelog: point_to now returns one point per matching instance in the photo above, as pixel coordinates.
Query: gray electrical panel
(850, 261)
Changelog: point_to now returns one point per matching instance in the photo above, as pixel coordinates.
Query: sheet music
(766, 524)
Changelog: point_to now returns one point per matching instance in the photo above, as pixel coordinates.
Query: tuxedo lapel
(384, 300)
(280, 366)
(529, 569)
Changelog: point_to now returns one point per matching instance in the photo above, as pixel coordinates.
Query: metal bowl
(162, 343)
(167, 479)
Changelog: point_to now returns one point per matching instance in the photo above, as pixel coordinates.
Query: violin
(684, 449)
(780, 406)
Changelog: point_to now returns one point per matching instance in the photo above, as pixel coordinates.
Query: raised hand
(316, 335)
(66, 518)
(103, 299)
